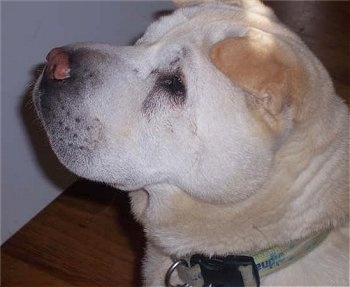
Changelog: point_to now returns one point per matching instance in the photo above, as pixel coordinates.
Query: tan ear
(263, 66)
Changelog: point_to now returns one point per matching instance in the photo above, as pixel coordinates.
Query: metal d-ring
(170, 271)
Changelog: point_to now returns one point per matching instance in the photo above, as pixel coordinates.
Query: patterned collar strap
(200, 270)
(271, 260)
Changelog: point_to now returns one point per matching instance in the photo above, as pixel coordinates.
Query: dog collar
(198, 270)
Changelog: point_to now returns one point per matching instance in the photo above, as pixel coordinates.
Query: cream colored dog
(228, 134)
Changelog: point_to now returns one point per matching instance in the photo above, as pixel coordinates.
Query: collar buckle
(235, 271)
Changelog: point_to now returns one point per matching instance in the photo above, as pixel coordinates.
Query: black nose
(57, 67)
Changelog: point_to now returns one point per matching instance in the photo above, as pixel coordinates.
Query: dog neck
(171, 223)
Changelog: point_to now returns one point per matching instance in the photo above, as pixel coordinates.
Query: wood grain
(87, 236)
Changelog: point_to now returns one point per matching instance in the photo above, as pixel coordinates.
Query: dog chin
(77, 159)
(92, 168)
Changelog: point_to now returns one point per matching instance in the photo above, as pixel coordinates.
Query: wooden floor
(87, 236)
(84, 238)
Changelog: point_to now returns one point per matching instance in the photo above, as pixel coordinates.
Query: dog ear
(255, 6)
(241, 3)
(181, 3)
(265, 67)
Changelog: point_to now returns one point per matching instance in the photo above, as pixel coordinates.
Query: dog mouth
(60, 100)
(73, 134)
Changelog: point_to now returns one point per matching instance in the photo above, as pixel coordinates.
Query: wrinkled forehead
(196, 21)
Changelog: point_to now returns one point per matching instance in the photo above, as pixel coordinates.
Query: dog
(228, 135)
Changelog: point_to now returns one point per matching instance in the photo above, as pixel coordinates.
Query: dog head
(203, 101)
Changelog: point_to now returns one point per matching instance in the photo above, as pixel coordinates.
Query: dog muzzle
(198, 270)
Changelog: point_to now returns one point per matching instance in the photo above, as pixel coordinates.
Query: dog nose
(57, 67)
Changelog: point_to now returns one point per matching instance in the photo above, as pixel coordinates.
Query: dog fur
(224, 128)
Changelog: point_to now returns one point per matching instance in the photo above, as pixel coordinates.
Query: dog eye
(174, 85)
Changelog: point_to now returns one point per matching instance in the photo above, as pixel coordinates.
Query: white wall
(31, 176)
